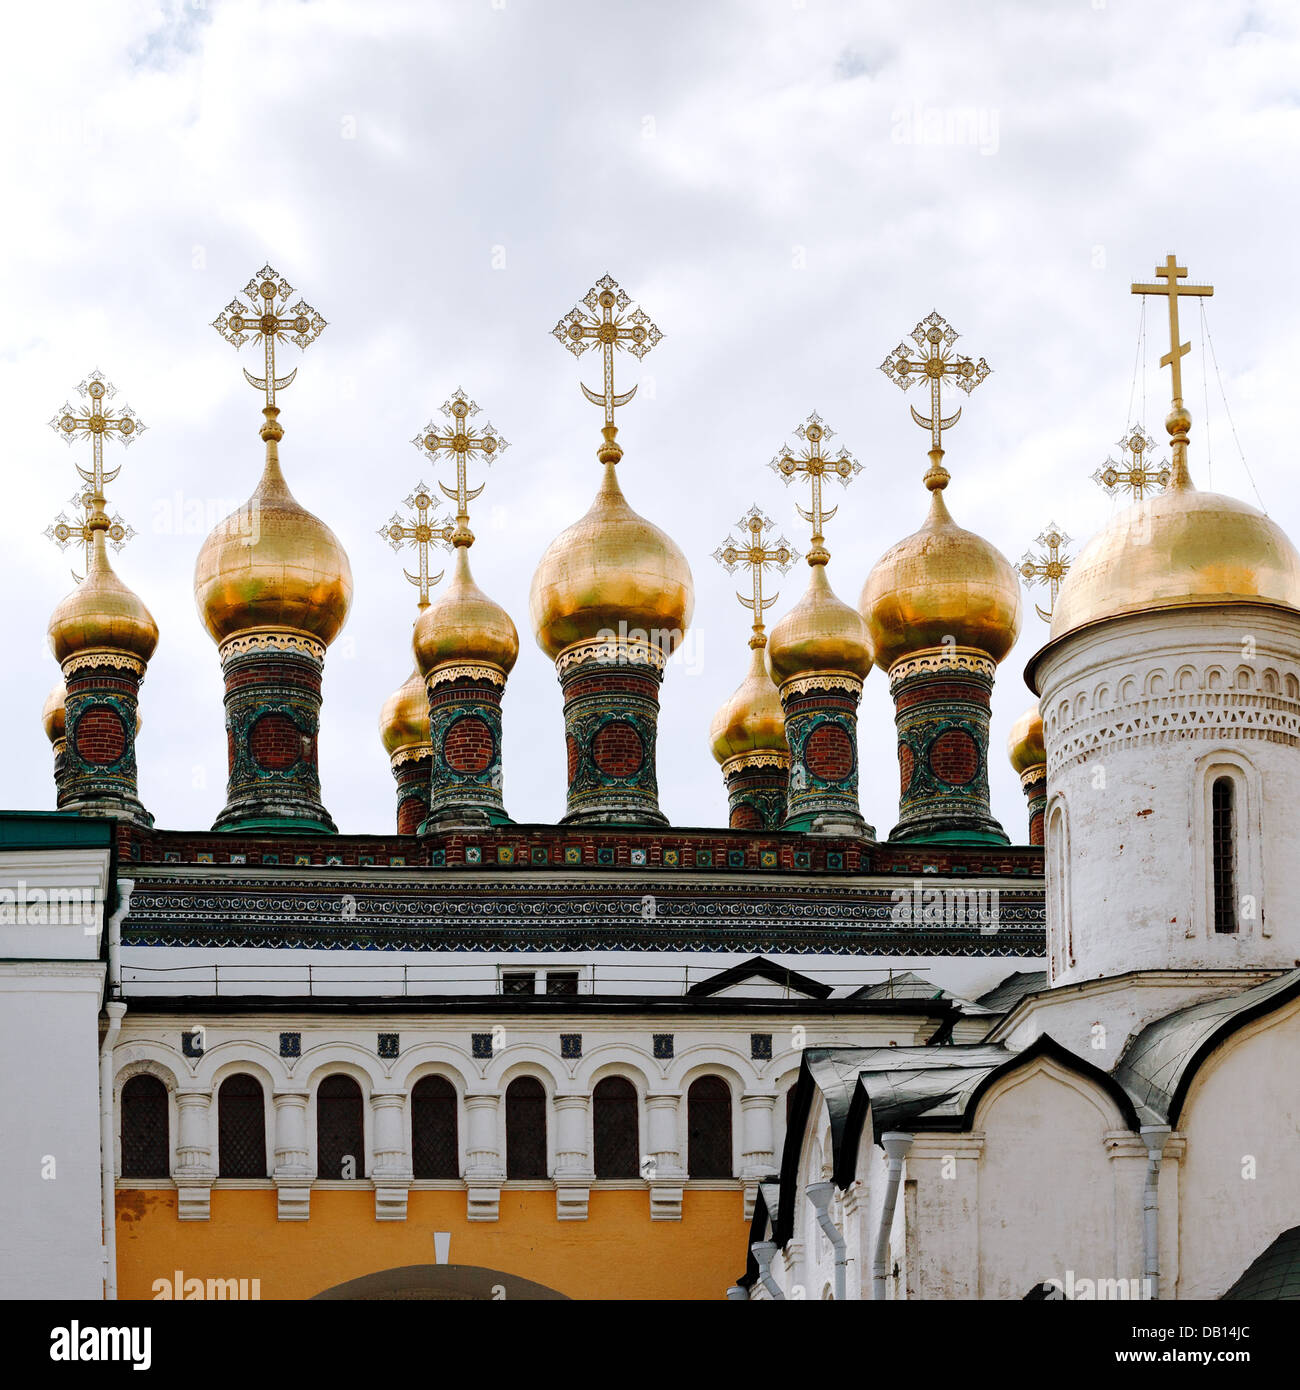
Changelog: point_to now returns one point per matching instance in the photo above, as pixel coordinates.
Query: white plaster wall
(1045, 1201)
(1130, 709)
(49, 1096)
(1245, 1102)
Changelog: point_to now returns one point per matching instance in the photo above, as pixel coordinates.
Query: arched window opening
(340, 1129)
(708, 1128)
(241, 1128)
(146, 1144)
(614, 1126)
(1223, 848)
(435, 1141)
(525, 1128)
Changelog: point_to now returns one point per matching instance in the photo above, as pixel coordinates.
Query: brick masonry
(821, 727)
(97, 772)
(611, 715)
(273, 700)
(100, 737)
(942, 721)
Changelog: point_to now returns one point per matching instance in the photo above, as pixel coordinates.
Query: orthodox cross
(1049, 569)
(422, 532)
(463, 443)
(1134, 474)
(756, 552)
(269, 321)
(607, 322)
(937, 364)
(64, 532)
(815, 466)
(97, 424)
(1179, 420)
(1171, 272)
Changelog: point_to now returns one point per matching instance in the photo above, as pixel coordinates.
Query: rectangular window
(1223, 848)
(561, 982)
(518, 981)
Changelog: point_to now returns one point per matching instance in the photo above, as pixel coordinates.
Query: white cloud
(739, 168)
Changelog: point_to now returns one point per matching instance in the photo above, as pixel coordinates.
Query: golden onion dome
(464, 625)
(272, 564)
(54, 712)
(820, 633)
(941, 583)
(751, 719)
(612, 567)
(404, 719)
(102, 614)
(1178, 548)
(1025, 742)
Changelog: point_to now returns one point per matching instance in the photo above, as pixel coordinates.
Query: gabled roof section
(1274, 1276)
(760, 968)
(1004, 997)
(910, 985)
(1159, 1065)
(907, 1088)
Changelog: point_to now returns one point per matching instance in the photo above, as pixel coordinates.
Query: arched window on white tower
(1223, 853)
(1227, 841)
(1060, 945)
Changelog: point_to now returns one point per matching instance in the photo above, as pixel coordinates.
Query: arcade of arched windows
(237, 1114)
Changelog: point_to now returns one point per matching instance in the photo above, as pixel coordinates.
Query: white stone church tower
(1127, 1127)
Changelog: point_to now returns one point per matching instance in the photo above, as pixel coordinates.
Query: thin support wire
(1214, 358)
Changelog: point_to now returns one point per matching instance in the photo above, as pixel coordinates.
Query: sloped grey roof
(1273, 1276)
(1158, 1066)
(1004, 997)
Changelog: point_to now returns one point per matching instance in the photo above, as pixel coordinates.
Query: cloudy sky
(786, 186)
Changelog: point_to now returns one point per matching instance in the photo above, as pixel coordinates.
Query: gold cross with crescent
(1049, 569)
(463, 443)
(421, 532)
(1134, 474)
(756, 552)
(607, 322)
(64, 532)
(97, 424)
(270, 322)
(815, 466)
(937, 365)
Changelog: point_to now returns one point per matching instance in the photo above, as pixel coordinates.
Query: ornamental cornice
(271, 640)
(103, 656)
(939, 661)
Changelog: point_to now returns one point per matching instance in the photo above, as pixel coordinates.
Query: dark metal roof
(764, 969)
(1158, 1066)
(906, 1088)
(1004, 997)
(1273, 1276)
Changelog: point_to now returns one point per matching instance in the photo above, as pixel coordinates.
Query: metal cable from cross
(269, 322)
(1049, 569)
(815, 466)
(606, 322)
(937, 365)
(464, 444)
(756, 552)
(422, 532)
(1134, 474)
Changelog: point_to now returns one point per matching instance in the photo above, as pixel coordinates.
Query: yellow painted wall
(618, 1252)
